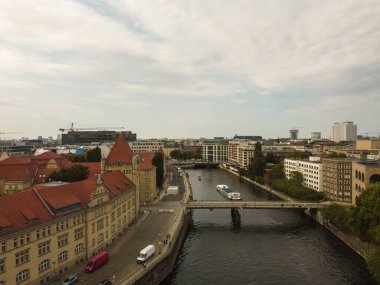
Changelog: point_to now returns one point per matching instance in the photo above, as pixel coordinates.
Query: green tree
(373, 263)
(257, 163)
(366, 215)
(336, 155)
(339, 216)
(94, 155)
(74, 173)
(277, 172)
(78, 158)
(270, 158)
(296, 177)
(158, 161)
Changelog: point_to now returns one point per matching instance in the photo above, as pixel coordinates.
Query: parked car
(70, 280)
(105, 282)
(97, 261)
(146, 253)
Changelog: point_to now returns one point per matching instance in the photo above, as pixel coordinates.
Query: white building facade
(344, 131)
(215, 151)
(311, 172)
(240, 152)
(146, 146)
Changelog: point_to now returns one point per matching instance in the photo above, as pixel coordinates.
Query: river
(270, 247)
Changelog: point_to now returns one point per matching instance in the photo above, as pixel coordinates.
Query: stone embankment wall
(364, 249)
(160, 267)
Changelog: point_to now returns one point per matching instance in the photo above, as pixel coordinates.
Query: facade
(364, 174)
(344, 131)
(337, 179)
(368, 144)
(240, 152)
(148, 186)
(215, 151)
(248, 138)
(293, 134)
(89, 137)
(311, 172)
(46, 230)
(315, 136)
(146, 146)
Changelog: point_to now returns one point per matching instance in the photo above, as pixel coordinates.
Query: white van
(146, 253)
(179, 169)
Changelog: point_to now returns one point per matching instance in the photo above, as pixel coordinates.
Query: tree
(366, 215)
(373, 263)
(74, 173)
(336, 155)
(78, 158)
(277, 172)
(94, 155)
(296, 177)
(257, 163)
(297, 154)
(270, 158)
(339, 216)
(158, 161)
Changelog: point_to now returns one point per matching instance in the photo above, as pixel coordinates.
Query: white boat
(228, 192)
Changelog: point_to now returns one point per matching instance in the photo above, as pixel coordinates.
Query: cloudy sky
(194, 68)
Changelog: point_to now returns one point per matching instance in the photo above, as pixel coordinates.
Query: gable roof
(146, 160)
(120, 152)
(14, 160)
(43, 158)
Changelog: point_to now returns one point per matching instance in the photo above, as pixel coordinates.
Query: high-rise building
(344, 131)
(293, 134)
(315, 136)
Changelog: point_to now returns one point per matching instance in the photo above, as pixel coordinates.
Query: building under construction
(94, 137)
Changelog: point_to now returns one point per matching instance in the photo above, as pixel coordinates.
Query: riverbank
(275, 193)
(364, 249)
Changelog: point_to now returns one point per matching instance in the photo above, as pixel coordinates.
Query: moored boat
(228, 192)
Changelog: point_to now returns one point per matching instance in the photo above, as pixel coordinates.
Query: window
(15, 242)
(62, 256)
(79, 248)
(63, 240)
(44, 248)
(100, 237)
(22, 257)
(3, 246)
(22, 276)
(45, 264)
(78, 233)
(2, 265)
(100, 224)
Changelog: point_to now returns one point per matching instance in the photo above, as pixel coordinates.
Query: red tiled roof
(43, 174)
(45, 157)
(12, 160)
(146, 160)
(20, 172)
(117, 183)
(18, 210)
(14, 208)
(120, 152)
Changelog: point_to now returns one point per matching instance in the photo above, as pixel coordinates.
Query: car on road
(105, 282)
(70, 280)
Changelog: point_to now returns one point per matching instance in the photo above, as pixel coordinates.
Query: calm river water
(270, 247)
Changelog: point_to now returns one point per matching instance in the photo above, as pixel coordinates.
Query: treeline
(93, 155)
(362, 220)
(70, 174)
(293, 187)
(180, 154)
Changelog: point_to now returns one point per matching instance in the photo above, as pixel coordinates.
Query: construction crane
(72, 129)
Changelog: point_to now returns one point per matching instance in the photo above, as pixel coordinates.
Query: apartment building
(215, 150)
(344, 131)
(46, 230)
(311, 172)
(364, 174)
(240, 152)
(146, 146)
(337, 179)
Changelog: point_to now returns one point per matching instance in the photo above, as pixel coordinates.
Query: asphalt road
(123, 253)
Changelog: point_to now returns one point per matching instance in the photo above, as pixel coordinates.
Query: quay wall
(160, 267)
(364, 249)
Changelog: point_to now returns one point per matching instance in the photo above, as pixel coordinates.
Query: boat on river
(228, 192)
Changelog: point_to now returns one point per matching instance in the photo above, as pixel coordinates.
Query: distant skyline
(182, 69)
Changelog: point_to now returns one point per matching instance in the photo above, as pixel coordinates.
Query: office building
(344, 131)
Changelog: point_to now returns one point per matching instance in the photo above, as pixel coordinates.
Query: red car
(97, 261)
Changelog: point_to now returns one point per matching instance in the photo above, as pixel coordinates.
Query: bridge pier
(235, 215)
